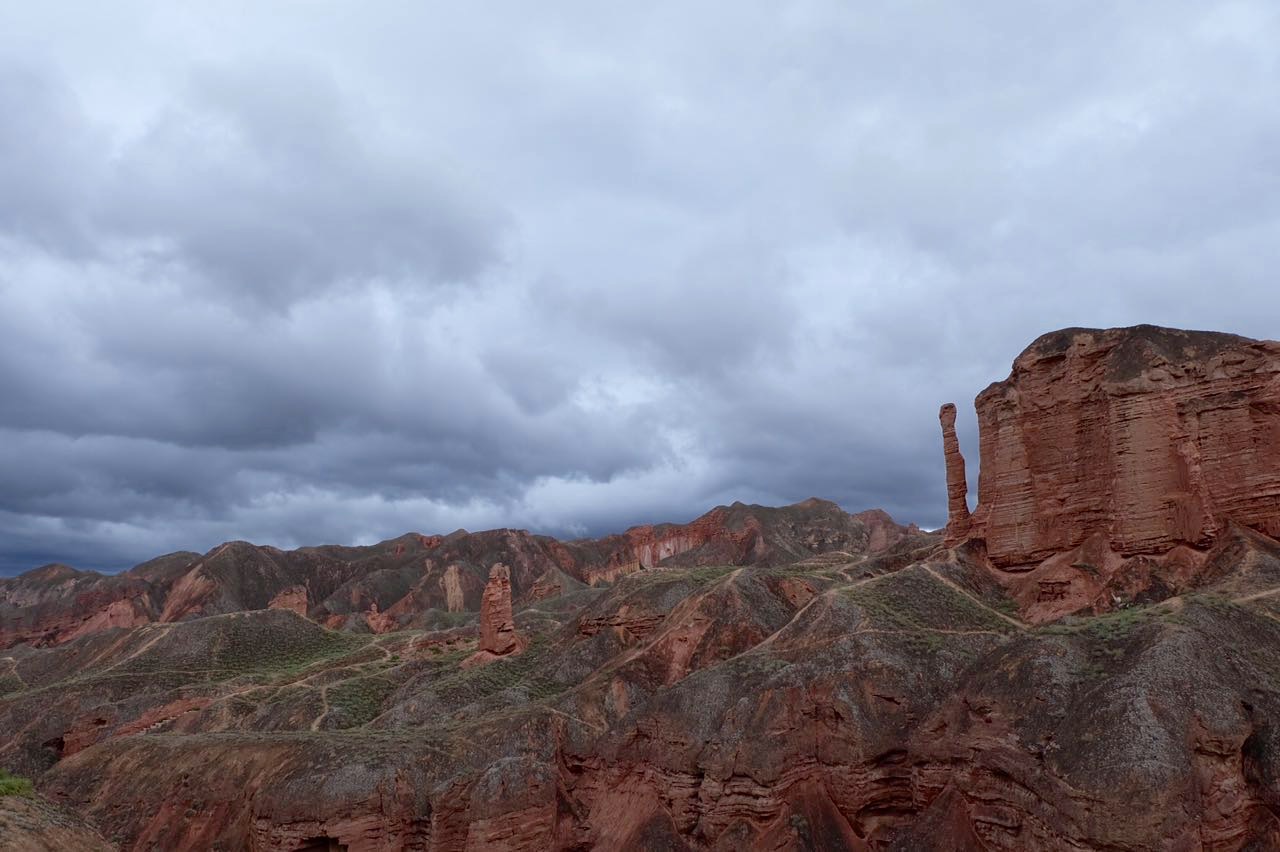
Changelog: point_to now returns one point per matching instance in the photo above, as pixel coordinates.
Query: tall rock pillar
(957, 486)
(497, 625)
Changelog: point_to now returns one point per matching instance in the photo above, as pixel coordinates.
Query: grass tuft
(12, 785)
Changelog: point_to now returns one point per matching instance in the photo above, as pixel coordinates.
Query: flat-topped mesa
(497, 625)
(958, 519)
(1147, 437)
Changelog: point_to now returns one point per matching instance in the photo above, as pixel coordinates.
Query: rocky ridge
(414, 580)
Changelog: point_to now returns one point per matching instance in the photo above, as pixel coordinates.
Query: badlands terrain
(1087, 660)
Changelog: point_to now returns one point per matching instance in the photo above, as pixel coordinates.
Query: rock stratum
(795, 678)
(1151, 437)
(1113, 460)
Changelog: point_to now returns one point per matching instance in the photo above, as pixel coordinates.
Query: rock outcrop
(57, 603)
(292, 598)
(1154, 438)
(498, 636)
(883, 532)
(497, 625)
(957, 484)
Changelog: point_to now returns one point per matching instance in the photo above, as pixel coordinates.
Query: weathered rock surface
(55, 603)
(498, 636)
(32, 824)
(1152, 437)
(291, 598)
(957, 485)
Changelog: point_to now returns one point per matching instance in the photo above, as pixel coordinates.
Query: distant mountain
(414, 580)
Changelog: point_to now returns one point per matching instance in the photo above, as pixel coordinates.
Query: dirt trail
(960, 590)
(828, 593)
(1266, 593)
(324, 700)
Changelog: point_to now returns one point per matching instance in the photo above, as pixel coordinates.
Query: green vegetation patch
(913, 601)
(12, 785)
(10, 683)
(801, 569)
(360, 699)
(702, 576)
(225, 647)
(521, 671)
(707, 575)
(1107, 635)
(1109, 626)
(439, 619)
(278, 648)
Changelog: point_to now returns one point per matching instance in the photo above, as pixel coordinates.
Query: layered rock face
(56, 603)
(1153, 438)
(497, 624)
(957, 484)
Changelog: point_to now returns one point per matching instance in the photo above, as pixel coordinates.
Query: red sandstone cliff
(1152, 437)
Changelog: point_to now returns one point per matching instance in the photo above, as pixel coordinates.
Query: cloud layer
(322, 273)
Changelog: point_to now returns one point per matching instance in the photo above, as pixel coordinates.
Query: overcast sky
(304, 272)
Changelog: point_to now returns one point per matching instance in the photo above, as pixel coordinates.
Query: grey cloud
(47, 157)
(261, 180)
(580, 268)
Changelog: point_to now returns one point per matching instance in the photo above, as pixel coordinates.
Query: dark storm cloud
(329, 277)
(259, 180)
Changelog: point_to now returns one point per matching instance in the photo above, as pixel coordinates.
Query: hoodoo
(1147, 437)
(957, 486)
(497, 625)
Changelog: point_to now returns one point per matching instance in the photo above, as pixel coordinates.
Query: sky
(310, 272)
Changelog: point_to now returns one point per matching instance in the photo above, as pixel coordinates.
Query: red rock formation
(1152, 437)
(883, 531)
(292, 598)
(497, 625)
(157, 716)
(57, 603)
(650, 545)
(451, 585)
(498, 636)
(83, 733)
(883, 707)
(957, 484)
(380, 622)
(628, 624)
